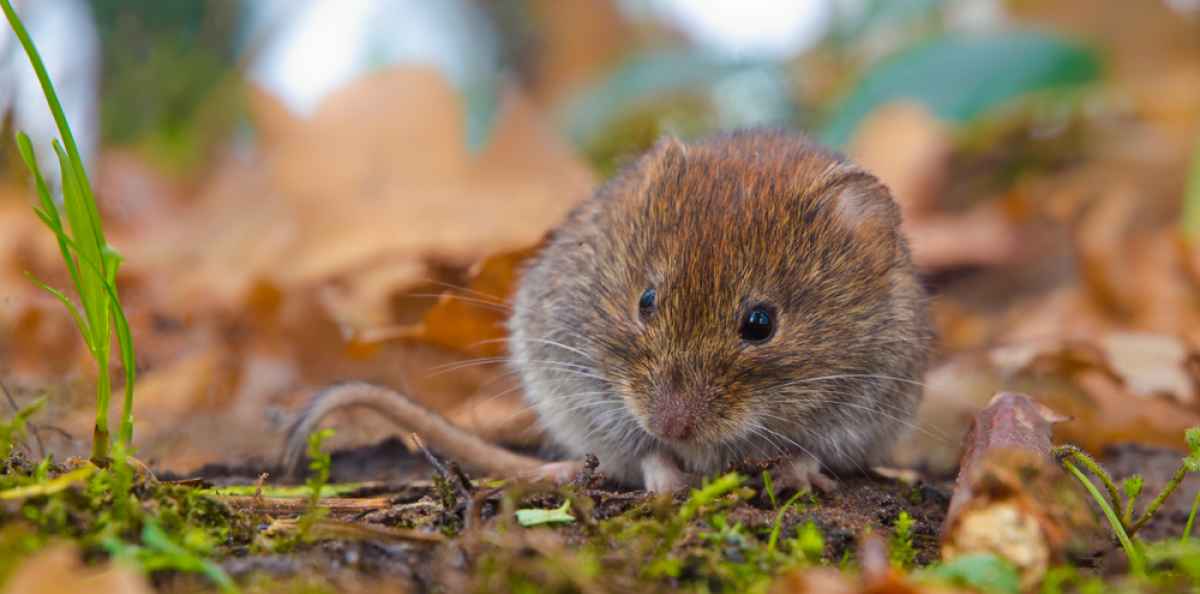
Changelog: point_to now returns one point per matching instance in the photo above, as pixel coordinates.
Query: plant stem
(1114, 494)
(1187, 530)
(1137, 564)
(1158, 501)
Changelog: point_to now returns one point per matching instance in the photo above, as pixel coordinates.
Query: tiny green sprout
(777, 525)
(769, 487)
(1192, 461)
(1132, 487)
(535, 517)
(902, 553)
(319, 465)
(809, 542)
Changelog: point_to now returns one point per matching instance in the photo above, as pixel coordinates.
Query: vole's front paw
(661, 474)
(559, 473)
(801, 474)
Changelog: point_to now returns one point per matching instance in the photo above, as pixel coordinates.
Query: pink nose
(673, 418)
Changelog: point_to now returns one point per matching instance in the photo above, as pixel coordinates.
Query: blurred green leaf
(1191, 217)
(640, 79)
(960, 77)
(533, 517)
(980, 571)
(684, 92)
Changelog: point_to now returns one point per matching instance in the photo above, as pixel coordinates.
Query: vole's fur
(750, 219)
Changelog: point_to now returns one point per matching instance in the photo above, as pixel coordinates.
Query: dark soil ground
(411, 501)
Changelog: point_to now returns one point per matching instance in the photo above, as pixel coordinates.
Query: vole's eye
(647, 302)
(759, 324)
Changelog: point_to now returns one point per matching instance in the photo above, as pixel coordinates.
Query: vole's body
(756, 223)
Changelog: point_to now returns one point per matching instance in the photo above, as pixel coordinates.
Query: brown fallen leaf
(58, 570)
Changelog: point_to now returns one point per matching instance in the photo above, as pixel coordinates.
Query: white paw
(802, 474)
(558, 473)
(661, 474)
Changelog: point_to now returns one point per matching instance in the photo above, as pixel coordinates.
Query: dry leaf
(57, 570)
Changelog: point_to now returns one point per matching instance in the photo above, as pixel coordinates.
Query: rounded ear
(863, 204)
(668, 154)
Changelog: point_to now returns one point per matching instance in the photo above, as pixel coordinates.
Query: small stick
(298, 505)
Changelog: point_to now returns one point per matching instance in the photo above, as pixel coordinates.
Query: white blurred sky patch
(744, 28)
(314, 47)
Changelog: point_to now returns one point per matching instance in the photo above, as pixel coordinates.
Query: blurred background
(313, 190)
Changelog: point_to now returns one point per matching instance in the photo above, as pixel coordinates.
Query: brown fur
(716, 227)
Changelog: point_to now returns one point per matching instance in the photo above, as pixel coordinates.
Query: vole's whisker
(488, 305)
(850, 376)
(456, 365)
(480, 295)
(883, 413)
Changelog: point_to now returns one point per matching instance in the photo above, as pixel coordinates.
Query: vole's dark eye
(759, 324)
(646, 303)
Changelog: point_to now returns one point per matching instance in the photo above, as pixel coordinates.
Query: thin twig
(33, 428)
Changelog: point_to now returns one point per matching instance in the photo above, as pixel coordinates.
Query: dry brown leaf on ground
(58, 569)
(381, 187)
(1110, 403)
(471, 318)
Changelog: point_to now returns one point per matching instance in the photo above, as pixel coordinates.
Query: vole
(747, 296)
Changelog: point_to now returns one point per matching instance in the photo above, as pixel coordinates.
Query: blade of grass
(62, 298)
(48, 211)
(777, 525)
(95, 282)
(1137, 564)
(1191, 521)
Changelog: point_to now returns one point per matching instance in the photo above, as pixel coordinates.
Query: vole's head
(746, 284)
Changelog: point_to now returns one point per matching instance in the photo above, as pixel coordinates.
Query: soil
(861, 504)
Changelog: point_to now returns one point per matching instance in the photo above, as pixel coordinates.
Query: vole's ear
(668, 154)
(863, 204)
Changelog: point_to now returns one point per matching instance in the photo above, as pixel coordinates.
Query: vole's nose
(674, 417)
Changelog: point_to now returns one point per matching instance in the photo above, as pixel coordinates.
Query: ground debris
(1011, 499)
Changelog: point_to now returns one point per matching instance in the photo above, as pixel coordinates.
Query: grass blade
(66, 301)
(1137, 564)
(48, 211)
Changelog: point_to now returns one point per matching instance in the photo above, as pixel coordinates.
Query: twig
(298, 505)
(33, 428)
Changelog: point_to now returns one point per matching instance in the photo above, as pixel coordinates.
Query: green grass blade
(84, 236)
(51, 218)
(66, 301)
(1137, 564)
